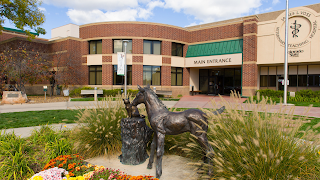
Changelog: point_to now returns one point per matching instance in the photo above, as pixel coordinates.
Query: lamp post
(125, 67)
(286, 57)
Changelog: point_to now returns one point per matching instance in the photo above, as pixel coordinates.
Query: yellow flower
(80, 178)
(37, 178)
(319, 152)
(89, 165)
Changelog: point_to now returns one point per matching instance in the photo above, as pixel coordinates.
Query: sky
(181, 13)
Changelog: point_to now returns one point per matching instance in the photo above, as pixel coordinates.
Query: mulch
(48, 99)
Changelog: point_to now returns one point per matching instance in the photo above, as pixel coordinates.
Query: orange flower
(60, 165)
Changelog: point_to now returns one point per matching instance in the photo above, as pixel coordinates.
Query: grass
(36, 118)
(296, 103)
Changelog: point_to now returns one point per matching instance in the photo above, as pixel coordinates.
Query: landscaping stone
(13, 97)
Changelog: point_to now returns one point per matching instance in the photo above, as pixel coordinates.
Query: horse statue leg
(153, 148)
(160, 152)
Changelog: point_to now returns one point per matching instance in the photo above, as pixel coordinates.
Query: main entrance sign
(302, 28)
(219, 60)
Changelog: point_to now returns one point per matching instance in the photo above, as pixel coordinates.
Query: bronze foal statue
(165, 122)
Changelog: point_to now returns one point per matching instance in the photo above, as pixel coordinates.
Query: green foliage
(270, 93)
(98, 132)
(14, 157)
(259, 145)
(23, 14)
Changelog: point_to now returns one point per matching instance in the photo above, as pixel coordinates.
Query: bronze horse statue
(165, 122)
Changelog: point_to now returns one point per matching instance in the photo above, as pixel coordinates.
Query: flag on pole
(120, 69)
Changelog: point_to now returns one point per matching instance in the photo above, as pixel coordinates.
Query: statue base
(135, 135)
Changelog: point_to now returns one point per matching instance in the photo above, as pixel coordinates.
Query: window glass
(92, 47)
(174, 49)
(292, 80)
(237, 78)
(119, 80)
(179, 79)
(316, 80)
(99, 47)
(157, 47)
(179, 50)
(151, 75)
(302, 80)
(95, 75)
(272, 80)
(263, 80)
(117, 46)
(147, 47)
(176, 76)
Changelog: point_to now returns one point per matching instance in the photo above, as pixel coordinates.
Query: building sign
(295, 53)
(219, 60)
(120, 67)
(302, 27)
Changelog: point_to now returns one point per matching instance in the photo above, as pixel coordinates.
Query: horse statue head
(139, 97)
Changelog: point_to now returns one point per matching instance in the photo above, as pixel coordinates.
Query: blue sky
(180, 13)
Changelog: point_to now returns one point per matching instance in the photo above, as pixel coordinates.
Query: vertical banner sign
(120, 70)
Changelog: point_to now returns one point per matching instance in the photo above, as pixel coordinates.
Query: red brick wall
(137, 46)
(107, 46)
(186, 76)
(166, 48)
(166, 71)
(137, 70)
(107, 70)
(249, 68)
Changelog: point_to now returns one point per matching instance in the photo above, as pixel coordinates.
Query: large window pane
(272, 80)
(147, 47)
(119, 80)
(129, 47)
(157, 47)
(117, 46)
(151, 75)
(179, 50)
(156, 78)
(147, 78)
(92, 47)
(302, 80)
(174, 49)
(99, 47)
(95, 75)
(292, 80)
(263, 81)
(179, 79)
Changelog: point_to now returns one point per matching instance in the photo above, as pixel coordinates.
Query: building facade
(243, 54)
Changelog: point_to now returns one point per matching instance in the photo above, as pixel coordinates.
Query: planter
(66, 92)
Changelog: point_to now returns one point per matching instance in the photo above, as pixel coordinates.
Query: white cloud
(274, 2)
(42, 9)
(213, 10)
(107, 5)
(83, 17)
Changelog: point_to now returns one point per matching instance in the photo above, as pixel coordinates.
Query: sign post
(125, 67)
(45, 91)
(286, 57)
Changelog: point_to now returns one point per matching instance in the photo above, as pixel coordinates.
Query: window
(272, 81)
(268, 80)
(151, 47)
(314, 80)
(302, 80)
(95, 75)
(95, 47)
(119, 80)
(176, 76)
(151, 75)
(292, 80)
(264, 81)
(118, 46)
(177, 49)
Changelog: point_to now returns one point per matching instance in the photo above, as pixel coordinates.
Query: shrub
(98, 130)
(14, 156)
(271, 93)
(258, 145)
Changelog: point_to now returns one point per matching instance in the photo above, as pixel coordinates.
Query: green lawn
(101, 99)
(314, 104)
(36, 118)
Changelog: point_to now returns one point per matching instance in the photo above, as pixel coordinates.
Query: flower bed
(72, 167)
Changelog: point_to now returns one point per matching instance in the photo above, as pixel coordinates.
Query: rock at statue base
(135, 135)
(13, 97)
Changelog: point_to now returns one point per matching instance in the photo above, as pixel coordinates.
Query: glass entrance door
(212, 85)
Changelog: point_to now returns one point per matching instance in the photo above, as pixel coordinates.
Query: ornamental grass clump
(98, 131)
(258, 144)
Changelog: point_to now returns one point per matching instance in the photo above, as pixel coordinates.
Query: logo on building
(295, 28)
(303, 26)
(295, 53)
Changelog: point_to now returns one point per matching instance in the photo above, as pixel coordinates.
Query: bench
(195, 92)
(94, 92)
(165, 93)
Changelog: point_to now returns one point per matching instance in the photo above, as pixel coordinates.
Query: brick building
(242, 54)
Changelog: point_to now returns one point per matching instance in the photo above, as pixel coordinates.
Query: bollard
(95, 94)
(192, 90)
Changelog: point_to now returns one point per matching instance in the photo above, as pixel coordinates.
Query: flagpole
(286, 57)
(125, 67)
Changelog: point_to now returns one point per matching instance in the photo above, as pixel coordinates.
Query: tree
(67, 66)
(25, 62)
(24, 14)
